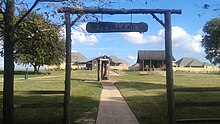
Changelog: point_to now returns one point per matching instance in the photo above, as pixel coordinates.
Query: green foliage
(37, 42)
(211, 40)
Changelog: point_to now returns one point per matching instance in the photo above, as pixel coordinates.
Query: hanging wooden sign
(106, 27)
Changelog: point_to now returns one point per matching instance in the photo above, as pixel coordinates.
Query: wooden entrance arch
(168, 48)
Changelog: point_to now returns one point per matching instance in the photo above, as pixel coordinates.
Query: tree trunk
(36, 69)
(8, 89)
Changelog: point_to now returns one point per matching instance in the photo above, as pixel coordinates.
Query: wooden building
(77, 62)
(118, 63)
(151, 60)
(193, 63)
(101, 64)
(92, 63)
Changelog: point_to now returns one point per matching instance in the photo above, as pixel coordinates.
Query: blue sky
(186, 34)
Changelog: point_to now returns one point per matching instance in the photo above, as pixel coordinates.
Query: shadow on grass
(95, 82)
(84, 80)
(24, 72)
(153, 109)
(149, 103)
(214, 73)
(139, 85)
(82, 110)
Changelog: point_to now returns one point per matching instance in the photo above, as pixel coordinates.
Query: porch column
(98, 70)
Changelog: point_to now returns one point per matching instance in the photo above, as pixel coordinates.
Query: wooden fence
(197, 70)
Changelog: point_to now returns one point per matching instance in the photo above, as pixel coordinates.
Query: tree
(37, 42)
(7, 9)
(211, 40)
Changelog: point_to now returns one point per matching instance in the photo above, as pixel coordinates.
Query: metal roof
(207, 64)
(97, 58)
(184, 61)
(151, 55)
(189, 61)
(195, 63)
(77, 57)
(118, 60)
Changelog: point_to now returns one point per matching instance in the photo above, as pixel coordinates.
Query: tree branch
(22, 18)
(1, 11)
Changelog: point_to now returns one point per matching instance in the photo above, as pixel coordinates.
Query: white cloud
(80, 35)
(110, 39)
(200, 31)
(75, 51)
(138, 38)
(184, 40)
(1, 62)
(131, 59)
(180, 38)
(101, 53)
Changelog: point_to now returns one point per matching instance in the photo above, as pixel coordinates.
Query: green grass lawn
(83, 104)
(146, 95)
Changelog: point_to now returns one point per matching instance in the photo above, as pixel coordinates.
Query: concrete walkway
(113, 109)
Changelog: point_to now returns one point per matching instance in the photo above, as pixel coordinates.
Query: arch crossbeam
(74, 10)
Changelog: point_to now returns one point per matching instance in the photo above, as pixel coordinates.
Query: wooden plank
(196, 89)
(40, 105)
(198, 120)
(116, 11)
(143, 73)
(197, 104)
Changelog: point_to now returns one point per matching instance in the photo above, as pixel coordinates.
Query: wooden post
(109, 68)
(68, 69)
(169, 69)
(100, 67)
(101, 63)
(98, 70)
